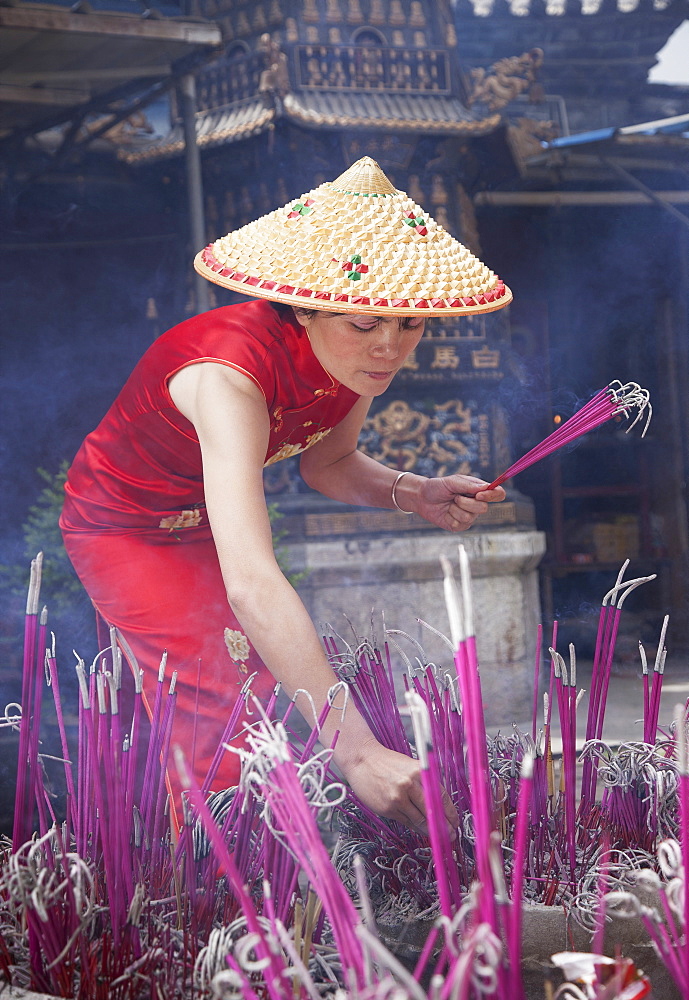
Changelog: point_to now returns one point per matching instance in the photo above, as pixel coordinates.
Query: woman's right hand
(389, 784)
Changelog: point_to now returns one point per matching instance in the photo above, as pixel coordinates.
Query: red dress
(135, 524)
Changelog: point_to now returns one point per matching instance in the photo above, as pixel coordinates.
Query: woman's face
(362, 352)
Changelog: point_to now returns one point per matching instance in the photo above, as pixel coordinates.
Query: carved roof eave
(213, 128)
(444, 115)
(420, 114)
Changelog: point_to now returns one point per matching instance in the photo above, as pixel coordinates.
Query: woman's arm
(231, 420)
(337, 469)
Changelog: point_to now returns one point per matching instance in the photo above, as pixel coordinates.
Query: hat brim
(265, 288)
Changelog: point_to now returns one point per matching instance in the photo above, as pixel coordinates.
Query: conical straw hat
(354, 245)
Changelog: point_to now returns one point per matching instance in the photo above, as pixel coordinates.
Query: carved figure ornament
(505, 80)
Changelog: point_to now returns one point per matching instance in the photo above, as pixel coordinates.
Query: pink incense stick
(460, 613)
(226, 861)
(683, 777)
(606, 404)
(514, 935)
(654, 694)
(23, 806)
(449, 890)
(536, 679)
(51, 670)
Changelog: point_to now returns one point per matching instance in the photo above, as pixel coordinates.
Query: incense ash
(103, 897)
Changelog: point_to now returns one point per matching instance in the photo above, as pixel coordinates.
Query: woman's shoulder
(257, 321)
(254, 337)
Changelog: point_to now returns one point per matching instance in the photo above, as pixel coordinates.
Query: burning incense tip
(467, 598)
(421, 724)
(644, 661)
(34, 585)
(452, 602)
(527, 766)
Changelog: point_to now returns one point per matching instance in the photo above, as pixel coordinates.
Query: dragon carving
(505, 80)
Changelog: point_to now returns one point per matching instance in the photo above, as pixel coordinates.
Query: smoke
(74, 324)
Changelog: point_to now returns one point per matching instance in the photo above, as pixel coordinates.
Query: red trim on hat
(493, 295)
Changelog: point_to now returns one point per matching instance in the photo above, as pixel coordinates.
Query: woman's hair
(286, 311)
(283, 310)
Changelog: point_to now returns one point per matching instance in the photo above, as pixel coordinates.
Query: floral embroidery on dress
(277, 417)
(238, 647)
(286, 451)
(185, 519)
(318, 436)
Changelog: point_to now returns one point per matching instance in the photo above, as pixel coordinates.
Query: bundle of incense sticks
(103, 903)
(667, 920)
(607, 403)
(106, 905)
(136, 915)
(564, 832)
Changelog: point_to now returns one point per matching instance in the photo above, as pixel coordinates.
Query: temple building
(603, 200)
(303, 89)
(527, 129)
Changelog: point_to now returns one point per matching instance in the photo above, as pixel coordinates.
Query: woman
(165, 518)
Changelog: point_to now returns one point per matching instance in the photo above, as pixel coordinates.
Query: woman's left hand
(453, 502)
(336, 468)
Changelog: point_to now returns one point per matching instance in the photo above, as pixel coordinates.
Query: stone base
(547, 930)
(399, 575)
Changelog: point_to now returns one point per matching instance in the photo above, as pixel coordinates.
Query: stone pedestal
(397, 574)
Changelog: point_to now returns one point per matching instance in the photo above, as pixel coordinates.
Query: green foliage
(60, 585)
(281, 554)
